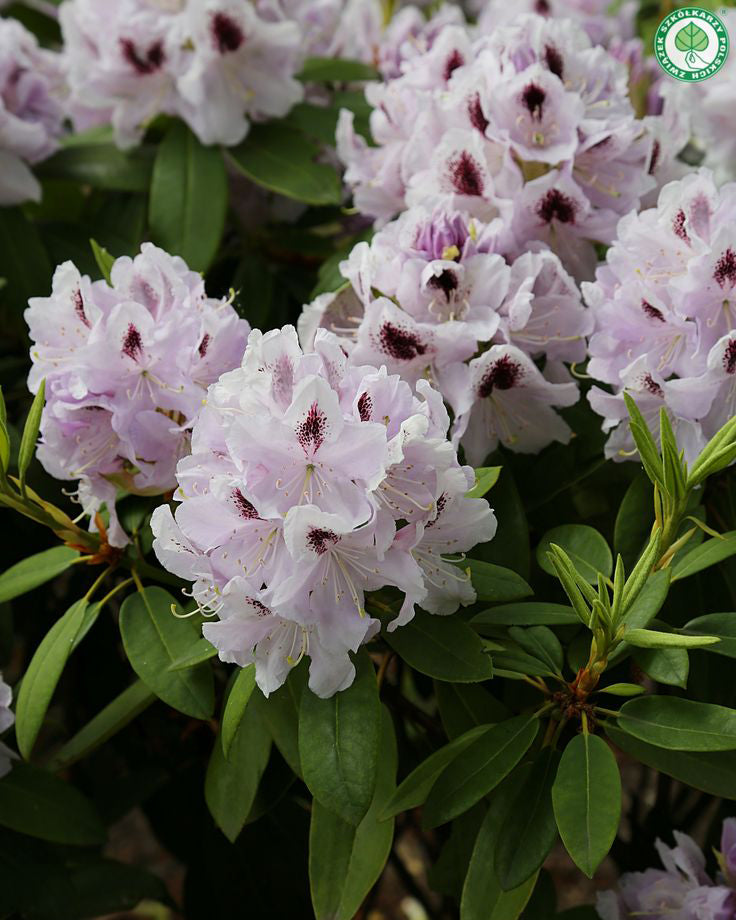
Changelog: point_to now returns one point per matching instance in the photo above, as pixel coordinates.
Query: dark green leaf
(338, 744)
(481, 768)
(442, 647)
(101, 166)
(714, 773)
(587, 800)
(30, 434)
(154, 639)
(415, 788)
(336, 70)
(528, 832)
(188, 200)
(34, 571)
(231, 783)
(35, 802)
(464, 706)
(527, 614)
(634, 520)
(493, 583)
(237, 700)
(108, 722)
(541, 643)
(281, 714)
(200, 651)
(665, 665)
(707, 554)
(345, 861)
(24, 263)
(586, 548)
(722, 625)
(283, 160)
(678, 724)
(42, 676)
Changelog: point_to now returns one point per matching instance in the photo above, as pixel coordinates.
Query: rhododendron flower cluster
(7, 717)
(429, 297)
(127, 366)
(682, 890)
(216, 64)
(312, 482)
(665, 315)
(531, 124)
(31, 115)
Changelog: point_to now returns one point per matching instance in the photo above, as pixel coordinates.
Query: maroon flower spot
(311, 432)
(319, 540)
(204, 345)
(501, 375)
(541, 7)
(446, 282)
(678, 226)
(656, 150)
(725, 270)
(132, 343)
(465, 174)
(729, 358)
(533, 98)
(258, 608)
(651, 385)
(245, 508)
(651, 311)
(227, 34)
(454, 60)
(441, 502)
(553, 59)
(144, 64)
(475, 112)
(365, 407)
(556, 206)
(400, 344)
(79, 307)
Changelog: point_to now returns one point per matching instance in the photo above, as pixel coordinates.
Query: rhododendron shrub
(367, 445)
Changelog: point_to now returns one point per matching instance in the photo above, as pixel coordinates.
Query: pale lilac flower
(215, 63)
(31, 115)
(7, 717)
(126, 366)
(310, 483)
(664, 305)
(682, 891)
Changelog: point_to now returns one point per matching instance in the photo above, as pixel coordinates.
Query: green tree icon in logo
(691, 39)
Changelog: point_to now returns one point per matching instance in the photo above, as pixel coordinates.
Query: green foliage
(35, 571)
(679, 724)
(585, 547)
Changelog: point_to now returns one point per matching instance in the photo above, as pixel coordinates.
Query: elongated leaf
(338, 744)
(541, 643)
(527, 614)
(713, 772)
(154, 639)
(678, 724)
(108, 722)
(345, 861)
(415, 788)
(30, 433)
(494, 583)
(645, 608)
(200, 651)
(587, 800)
(722, 625)
(281, 715)
(42, 676)
(486, 478)
(237, 700)
(283, 160)
(622, 689)
(634, 520)
(465, 706)
(336, 70)
(707, 554)
(102, 166)
(482, 896)
(34, 571)
(35, 802)
(481, 768)
(231, 783)
(442, 647)
(188, 200)
(528, 833)
(104, 260)
(650, 638)
(669, 666)
(586, 548)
